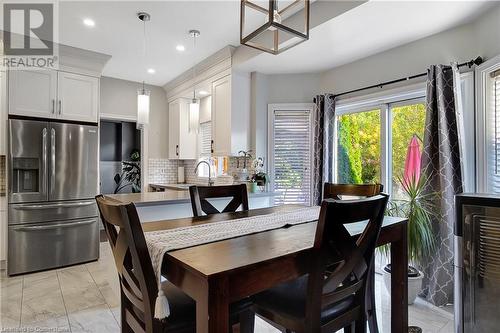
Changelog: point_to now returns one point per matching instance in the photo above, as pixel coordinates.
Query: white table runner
(160, 242)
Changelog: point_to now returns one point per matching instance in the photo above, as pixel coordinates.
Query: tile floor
(85, 298)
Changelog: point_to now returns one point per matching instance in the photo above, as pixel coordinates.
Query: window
(373, 137)
(358, 148)
(494, 111)
(488, 126)
(408, 121)
(291, 153)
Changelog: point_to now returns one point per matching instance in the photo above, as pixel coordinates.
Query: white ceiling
(367, 29)
(119, 33)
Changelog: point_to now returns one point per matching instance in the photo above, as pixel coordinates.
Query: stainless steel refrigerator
(53, 178)
(477, 263)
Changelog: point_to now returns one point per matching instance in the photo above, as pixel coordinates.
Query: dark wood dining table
(219, 273)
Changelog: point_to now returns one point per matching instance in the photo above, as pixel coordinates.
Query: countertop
(167, 197)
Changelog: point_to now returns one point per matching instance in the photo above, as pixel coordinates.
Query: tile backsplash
(3, 176)
(164, 171)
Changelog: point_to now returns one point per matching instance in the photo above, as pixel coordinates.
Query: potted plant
(130, 175)
(417, 207)
(259, 176)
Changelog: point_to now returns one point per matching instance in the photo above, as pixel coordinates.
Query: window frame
(292, 107)
(384, 102)
(482, 73)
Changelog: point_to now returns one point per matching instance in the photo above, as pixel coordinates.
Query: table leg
(399, 283)
(218, 306)
(202, 309)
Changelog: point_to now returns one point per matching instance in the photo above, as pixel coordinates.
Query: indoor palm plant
(417, 206)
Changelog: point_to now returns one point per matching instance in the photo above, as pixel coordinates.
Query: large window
(290, 154)
(372, 141)
(488, 126)
(358, 147)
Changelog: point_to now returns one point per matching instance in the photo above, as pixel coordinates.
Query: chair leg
(247, 321)
(371, 312)
(349, 329)
(360, 326)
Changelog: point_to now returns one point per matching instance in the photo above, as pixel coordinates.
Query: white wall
(481, 37)
(282, 88)
(119, 101)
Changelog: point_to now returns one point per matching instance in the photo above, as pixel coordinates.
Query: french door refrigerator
(53, 179)
(477, 263)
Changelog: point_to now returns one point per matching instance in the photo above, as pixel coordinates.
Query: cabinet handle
(53, 106)
(177, 150)
(212, 146)
(60, 107)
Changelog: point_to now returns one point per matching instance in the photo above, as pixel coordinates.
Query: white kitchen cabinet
(230, 114)
(54, 94)
(182, 144)
(32, 93)
(221, 116)
(78, 97)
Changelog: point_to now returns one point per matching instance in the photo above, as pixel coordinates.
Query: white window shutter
(292, 155)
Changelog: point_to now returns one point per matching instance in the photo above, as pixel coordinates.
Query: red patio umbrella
(412, 163)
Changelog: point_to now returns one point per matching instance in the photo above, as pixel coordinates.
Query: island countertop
(167, 197)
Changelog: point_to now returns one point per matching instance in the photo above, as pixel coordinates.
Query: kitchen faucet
(210, 181)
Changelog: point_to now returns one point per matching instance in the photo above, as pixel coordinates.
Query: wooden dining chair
(337, 191)
(324, 301)
(138, 283)
(200, 194)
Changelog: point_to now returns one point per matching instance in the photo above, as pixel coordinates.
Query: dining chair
(200, 194)
(138, 284)
(324, 301)
(337, 191)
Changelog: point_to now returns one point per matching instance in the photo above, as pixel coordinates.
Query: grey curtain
(441, 166)
(324, 121)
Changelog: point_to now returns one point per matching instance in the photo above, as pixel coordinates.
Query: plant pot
(415, 278)
(253, 187)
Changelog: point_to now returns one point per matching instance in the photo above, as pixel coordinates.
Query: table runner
(161, 242)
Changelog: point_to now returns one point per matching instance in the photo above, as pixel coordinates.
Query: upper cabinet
(53, 94)
(182, 143)
(33, 93)
(78, 97)
(221, 117)
(70, 93)
(230, 101)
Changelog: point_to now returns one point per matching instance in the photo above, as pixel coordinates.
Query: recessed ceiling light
(203, 92)
(89, 22)
(151, 71)
(180, 48)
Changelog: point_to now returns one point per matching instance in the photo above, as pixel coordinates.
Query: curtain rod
(477, 61)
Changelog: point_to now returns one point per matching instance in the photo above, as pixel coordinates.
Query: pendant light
(143, 94)
(194, 106)
(285, 24)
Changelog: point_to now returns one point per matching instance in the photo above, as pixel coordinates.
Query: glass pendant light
(194, 106)
(143, 104)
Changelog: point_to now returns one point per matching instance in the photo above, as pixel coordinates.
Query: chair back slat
(335, 191)
(356, 254)
(133, 263)
(200, 194)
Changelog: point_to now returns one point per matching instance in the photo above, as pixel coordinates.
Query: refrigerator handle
(52, 158)
(44, 160)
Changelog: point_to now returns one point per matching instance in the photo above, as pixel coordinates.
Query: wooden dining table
(219, 273)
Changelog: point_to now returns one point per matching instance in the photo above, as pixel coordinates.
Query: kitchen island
(173, 204)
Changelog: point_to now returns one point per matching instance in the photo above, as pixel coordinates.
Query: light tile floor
(85, 298)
